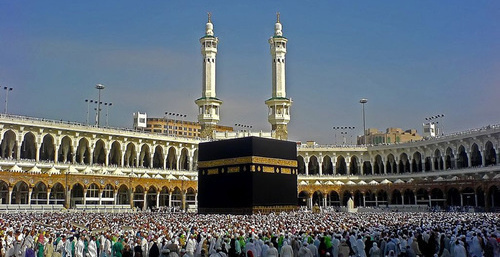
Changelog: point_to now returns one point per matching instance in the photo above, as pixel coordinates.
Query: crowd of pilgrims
(295, 234)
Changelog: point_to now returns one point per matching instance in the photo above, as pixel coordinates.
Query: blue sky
(411, 59)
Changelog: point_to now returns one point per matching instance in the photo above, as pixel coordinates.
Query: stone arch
(481, 201)
(158, 157)
(475, 157)
(490, 154)
(378, 167)
(123, 196)
(453, 197)
(190, 197)
(345, 197)
(28, 147)
(468, 196)
(437, 197)
(382, 197)
(164, 196)
(76, 194)
(369, 199)
(47, 149)
(422, 196)
(83, 151)
(65, 153)
(4, 192)
(313, 165)
(172, 158)
(396, 197)
(416, 162)
(327, 166)
(57, 194)
(358, 199)
(493, 197)
(341, 166)
(176, 198)
(390, 167)
(99, 152)
(93, 192)
(317, 198)
(8, 147)
(353, 166)
(450, 159)
(151, 198)
(115, 154)
(130, 155)
(438, 160)
(409, 197)
(139, 197)
(108, 194)
(333, 198)
(145, 157)
(20, 193)
(39, 193)
(301, 165)
(404, 165)
(184, 159)
(463, 160)
(195, 160)
(303, 196)
(367, 168)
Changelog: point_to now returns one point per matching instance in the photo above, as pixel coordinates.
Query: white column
(144, 205)
(469, 159)
(170, 199)
(475, 198)
(115, 197)
(461, 199)
(376, 200)
(85, 197)
(430, 200)
(48, 197)
(100, 197)
(30, 191)
(10, 195)
(306, 162)
(364, 200)
(157, 199)
(177, 164)
(320, 163)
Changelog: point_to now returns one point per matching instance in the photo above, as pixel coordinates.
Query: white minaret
(208, 104)
(278, 105)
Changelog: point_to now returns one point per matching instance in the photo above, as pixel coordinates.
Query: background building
(391, 136)
(181, 128)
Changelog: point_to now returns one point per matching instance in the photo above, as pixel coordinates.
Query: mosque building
(50, 165)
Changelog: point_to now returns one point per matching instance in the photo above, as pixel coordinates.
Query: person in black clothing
(154, 251)
(138, 249)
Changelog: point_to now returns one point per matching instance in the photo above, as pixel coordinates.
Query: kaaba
(247, 175)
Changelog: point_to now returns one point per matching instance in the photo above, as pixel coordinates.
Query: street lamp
(99, 87)
(343, 131)
(363, 101)
(434, 120)
(88, 108)
(178, 115)
(243, 126)
(7, 89)
(107, 111)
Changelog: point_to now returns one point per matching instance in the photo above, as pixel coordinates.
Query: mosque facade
(45, 164)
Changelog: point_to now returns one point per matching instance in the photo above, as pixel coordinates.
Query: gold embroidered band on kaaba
(248, 160)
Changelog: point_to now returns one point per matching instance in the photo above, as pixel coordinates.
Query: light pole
(343, 131)
(433, 120)
(98, 117)
(7, 89)
(88, 109)
(173, 114)
(363, 101)
(244, 127)
(107, 111)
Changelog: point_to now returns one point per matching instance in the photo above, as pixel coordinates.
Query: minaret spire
(278, 104)
(208, 104)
